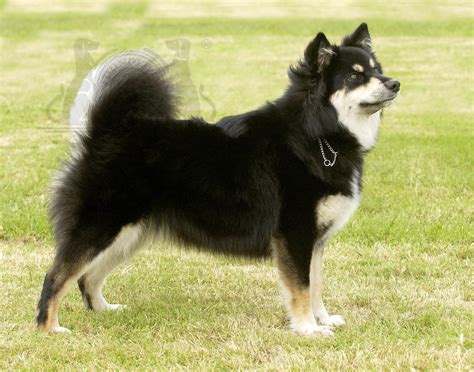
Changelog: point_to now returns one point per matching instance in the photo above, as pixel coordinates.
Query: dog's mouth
(383, 102)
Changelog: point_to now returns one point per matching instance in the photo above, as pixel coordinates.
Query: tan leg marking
(297, 297)
(52, 323)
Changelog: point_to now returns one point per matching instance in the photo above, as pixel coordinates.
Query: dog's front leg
(294, 280)
(316, 285)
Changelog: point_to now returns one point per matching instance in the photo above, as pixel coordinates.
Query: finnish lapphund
(276, 181)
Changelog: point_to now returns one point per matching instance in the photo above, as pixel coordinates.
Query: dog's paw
(105, 306)
(324, 331)
(59, 329)
(332, 320)
(310, 329)
(114, 307)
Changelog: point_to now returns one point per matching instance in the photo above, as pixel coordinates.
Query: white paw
(308, 329)
(102, 305)
(325, 331)
(332, 320)
(114, 307)
(59, 329)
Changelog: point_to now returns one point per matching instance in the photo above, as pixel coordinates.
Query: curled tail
(124, 88)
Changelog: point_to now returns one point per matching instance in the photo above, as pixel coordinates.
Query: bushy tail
(124, 88)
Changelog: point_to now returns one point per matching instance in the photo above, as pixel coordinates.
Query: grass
(401, 271)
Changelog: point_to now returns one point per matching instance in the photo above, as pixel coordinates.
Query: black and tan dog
(278, 180)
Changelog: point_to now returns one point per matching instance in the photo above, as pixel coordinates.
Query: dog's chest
(334, 211)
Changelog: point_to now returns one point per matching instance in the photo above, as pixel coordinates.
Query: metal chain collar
(327, 162)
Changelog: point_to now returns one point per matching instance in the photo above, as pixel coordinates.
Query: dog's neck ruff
(363, 128)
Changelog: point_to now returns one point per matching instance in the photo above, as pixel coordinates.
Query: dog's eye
(354, 76)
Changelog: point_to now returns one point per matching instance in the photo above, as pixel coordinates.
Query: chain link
(327, 162)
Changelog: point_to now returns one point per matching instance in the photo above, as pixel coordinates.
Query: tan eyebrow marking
(372, 63)
(358, 68)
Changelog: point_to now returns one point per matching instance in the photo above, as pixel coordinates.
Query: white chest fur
(334, 211)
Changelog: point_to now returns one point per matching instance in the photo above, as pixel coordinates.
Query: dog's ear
(319, 53)
(359, 38)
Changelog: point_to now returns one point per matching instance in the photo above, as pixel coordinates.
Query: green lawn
(400, 272)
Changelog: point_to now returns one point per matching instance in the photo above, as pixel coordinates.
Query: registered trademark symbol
(206, 43)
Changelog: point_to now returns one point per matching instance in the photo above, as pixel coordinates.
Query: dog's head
(347, 77)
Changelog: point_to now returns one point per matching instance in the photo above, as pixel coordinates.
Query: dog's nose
(393, 85)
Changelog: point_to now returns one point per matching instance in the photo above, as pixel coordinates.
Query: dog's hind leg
(57, 282)
(128, 241)
(294, 279)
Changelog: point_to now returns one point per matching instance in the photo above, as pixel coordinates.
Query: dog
(277, 181)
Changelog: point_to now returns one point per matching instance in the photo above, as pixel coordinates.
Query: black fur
(46, 294)
(86, 298)
(227, 188)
